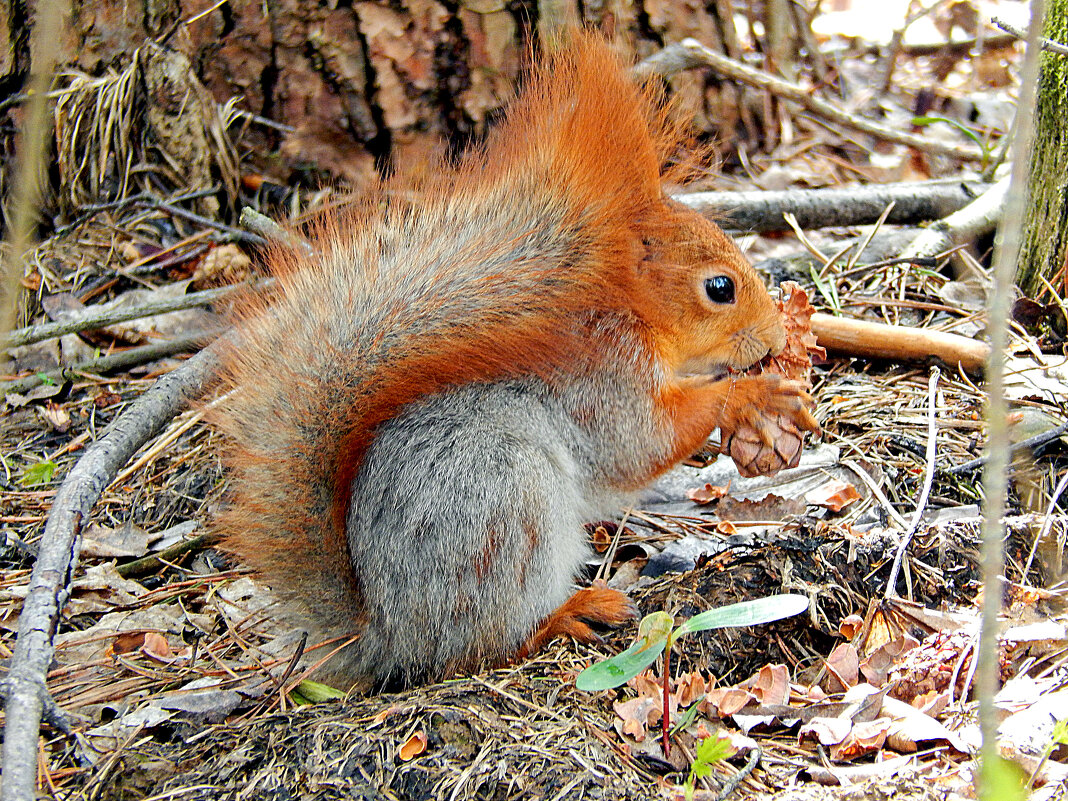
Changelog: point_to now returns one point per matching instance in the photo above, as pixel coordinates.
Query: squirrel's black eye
(720, 289)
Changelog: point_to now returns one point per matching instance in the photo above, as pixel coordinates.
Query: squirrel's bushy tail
(476, 273)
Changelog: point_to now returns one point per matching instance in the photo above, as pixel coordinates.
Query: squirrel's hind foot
(597, 604)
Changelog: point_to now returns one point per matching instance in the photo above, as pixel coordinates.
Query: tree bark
(347, 88)
(1045, 238)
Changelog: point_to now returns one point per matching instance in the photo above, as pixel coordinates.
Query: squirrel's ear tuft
(583, 124)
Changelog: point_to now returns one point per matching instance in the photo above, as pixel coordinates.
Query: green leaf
(315, 693)
(962, 128)
(1001, 780)
(711, 750)
(40, 473)
(653, 634)
(747, 613)
(687, 717)
(46, 379)
(1060, 732)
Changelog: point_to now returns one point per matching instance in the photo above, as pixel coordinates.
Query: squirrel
(470, 366)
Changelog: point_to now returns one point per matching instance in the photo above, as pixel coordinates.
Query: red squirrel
(471, 366)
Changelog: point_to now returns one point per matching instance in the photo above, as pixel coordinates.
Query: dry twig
(131, 357)
(976, 219)
(690, 53)
(1006, 253)
(25, 685)
(898, 342)
(822, 208)
(1047, 44)
(928, 480)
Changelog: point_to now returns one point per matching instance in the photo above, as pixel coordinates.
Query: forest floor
(178, 682)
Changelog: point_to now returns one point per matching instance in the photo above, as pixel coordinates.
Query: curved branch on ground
(25, 687)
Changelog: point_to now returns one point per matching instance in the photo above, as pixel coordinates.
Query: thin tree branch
(105, 314)
(1047, 44)
(122, 359)
(690, 53)
(928, 480)
(995, 477)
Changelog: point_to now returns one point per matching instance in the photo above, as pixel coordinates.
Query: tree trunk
(346, 88)
(1045, 243)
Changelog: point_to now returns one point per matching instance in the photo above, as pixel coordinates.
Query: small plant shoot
(40, 473)
(710, 750)
(654, 634)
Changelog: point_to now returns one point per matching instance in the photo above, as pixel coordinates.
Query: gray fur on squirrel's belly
(448, 521)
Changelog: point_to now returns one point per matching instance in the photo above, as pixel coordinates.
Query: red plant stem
(666, 717)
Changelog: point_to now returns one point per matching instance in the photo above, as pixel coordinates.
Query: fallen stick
(838, 206)
(979, 217)
(104, 314)
(25, 687)
(897, 342)
(120, 360)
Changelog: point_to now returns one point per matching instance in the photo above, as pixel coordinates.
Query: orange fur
(597, 604)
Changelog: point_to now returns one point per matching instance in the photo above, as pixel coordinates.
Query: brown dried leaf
(109, 543)
(843, 665)
(876, 667)
(931, 703)
(725, 701)
(826, 730)
(127, 642)
(863, 738)
(380, 718)
(910, 729)
(635, 716)
(880, 632)
(415, 745)
(689, 687)
(645, 685)
(601, 539)
(771, 685)
(106, 398)
(850, 625)
(56, 416)
(709, 493)
(770, 507)
(834, 495)
(157, 647)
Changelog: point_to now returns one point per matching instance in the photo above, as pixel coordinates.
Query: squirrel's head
(704, 303)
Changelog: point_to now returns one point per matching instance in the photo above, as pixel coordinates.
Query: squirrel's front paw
(765, 435)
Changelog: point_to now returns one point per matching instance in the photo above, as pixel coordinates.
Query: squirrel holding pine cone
(469, 366)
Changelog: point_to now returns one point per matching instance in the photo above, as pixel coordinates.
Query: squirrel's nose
(756, 343)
